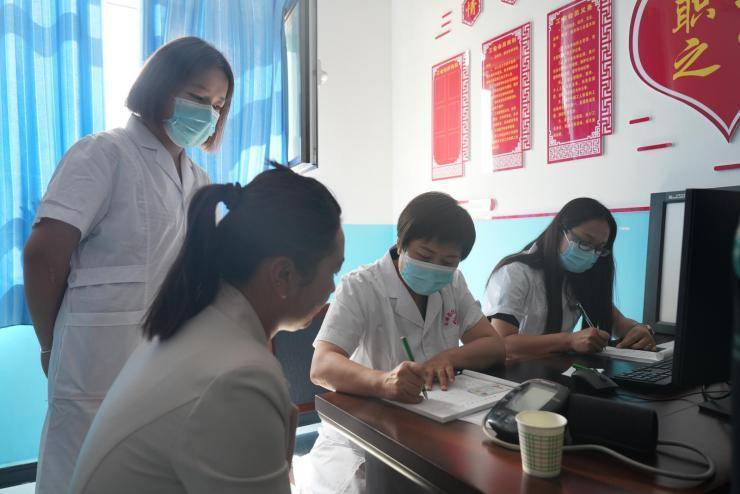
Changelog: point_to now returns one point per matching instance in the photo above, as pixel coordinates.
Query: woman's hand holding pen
(588, 340)
(403, 383)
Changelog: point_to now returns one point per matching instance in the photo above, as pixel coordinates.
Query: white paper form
(470, 393)
(663, 351)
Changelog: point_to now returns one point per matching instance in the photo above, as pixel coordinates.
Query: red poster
(690, 51)
(579, 79)
(506, 93)
(450, 117)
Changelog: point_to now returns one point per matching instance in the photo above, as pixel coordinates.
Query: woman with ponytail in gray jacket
(204, 406)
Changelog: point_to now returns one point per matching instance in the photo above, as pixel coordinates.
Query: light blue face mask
(424, 278)
(191, 123)
(576, 260)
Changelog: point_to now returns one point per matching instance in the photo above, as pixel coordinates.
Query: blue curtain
(250, 34)
(51, 95)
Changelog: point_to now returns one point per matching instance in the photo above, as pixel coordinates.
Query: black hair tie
(232, 195)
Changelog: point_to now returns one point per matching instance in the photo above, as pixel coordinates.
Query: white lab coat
(519, 290)
(122, 191)
(207, 410)
(372, 309)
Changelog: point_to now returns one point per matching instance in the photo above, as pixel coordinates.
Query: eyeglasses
(585, 246)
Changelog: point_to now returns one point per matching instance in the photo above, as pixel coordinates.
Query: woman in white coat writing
(415, 291)
(535, 297)
(204, 405)
(107, 230)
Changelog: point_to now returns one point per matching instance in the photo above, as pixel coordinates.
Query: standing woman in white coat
(107, 231)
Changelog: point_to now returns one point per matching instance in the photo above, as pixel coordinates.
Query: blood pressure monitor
(535, 394)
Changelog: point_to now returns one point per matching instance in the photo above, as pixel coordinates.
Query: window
(121, 56)
(299, 25)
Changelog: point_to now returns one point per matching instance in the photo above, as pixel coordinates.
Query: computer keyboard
(657, 375)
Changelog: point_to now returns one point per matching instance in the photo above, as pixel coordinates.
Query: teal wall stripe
(23, 404)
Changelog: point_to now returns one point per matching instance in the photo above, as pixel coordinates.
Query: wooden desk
(455, 457)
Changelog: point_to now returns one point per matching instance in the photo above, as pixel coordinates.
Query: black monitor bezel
(654, 264)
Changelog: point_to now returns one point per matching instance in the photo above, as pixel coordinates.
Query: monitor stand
(721, 407)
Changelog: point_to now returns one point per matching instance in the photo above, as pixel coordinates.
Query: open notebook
(470, 393)
(662, 352)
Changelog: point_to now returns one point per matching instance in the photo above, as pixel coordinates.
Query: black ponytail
(280, 213)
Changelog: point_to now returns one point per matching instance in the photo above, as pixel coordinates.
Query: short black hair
(168, 71)
(436, 216)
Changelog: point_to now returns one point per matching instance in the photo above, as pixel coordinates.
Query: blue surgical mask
(424, 278)
(191, 123)
(577, 260)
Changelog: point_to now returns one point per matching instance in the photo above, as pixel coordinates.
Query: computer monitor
(665, 243)
(704, 325)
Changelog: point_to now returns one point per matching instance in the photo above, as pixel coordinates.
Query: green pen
(411, 358)
(583, 367)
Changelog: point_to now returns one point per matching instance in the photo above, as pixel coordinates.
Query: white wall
(354, 47)
(620, 178)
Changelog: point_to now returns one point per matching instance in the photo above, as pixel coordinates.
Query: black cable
(706, 474)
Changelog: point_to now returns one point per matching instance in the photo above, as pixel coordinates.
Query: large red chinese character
(687, 49)
(471, 9)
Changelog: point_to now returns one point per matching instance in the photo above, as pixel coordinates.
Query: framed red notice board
(506, 102)
(450, 117)
(579, 82)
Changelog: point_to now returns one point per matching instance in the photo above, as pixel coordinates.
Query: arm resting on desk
(633, 334)
(332, 369)
(482, 348)
(517, 344)
(587, 340)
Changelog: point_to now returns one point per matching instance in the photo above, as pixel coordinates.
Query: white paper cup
(541, 442)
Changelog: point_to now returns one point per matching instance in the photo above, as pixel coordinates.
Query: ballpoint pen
(588, 319)
(411, 358)
(585, 315)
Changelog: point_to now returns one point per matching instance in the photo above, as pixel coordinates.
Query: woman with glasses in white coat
(203, 406)
(106, 232)
(535, 297)
(415, 290)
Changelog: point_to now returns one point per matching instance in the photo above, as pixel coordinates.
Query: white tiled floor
(19, 489)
